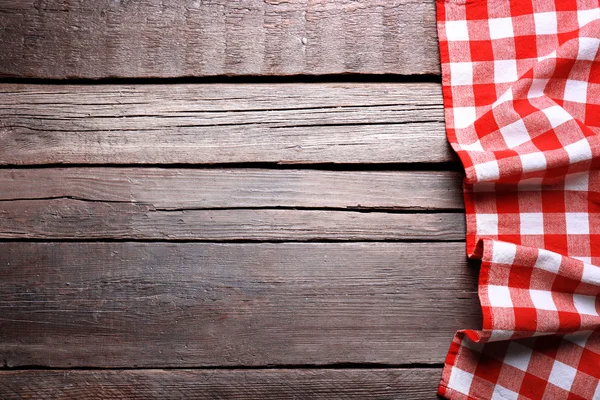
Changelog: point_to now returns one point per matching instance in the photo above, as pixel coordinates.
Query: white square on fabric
(562, 375)
(576, 91)
(464, 116)
(487, 171)
(578, 181)
(586, 16)
(542, 300)
(587, 260)
(533, 161)
(537, 88)
(579, 338)
(502, 393)
(475, 146)
(515, 134)
(532, 223)
(518, 356)
(579, 151)
(545, 23)
(505, 71)
(498, 335)
(585, 305)
(499, 296)
(577, 223)
(460, 380)
(548, 260)
(503, 252)
(557, 115)
(461, 73)
(588, 47)
(591, 274)
(500, 28)
(457, 31)
(487, 224)
(506, 96)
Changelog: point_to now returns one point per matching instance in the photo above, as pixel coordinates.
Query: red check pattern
(521, 82)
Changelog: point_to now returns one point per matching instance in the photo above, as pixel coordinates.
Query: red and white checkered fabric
(521, 81)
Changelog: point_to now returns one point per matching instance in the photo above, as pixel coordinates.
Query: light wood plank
(76, 219)
(222, 123)
(173, 38)
(282, 384)
(185, 189)
(116, 304)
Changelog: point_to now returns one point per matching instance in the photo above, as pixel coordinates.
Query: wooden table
(255, 199)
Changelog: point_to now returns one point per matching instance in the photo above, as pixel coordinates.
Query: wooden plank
(173, 38)
(417, 384)
(184, 189)
(76, 219)
(128, 304)
(222, 123)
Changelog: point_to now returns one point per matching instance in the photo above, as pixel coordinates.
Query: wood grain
(75, 219)
(283, 384)
(124, 304)
(222, 123)
(185, 189)
(174, 38)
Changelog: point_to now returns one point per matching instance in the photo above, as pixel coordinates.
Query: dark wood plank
(124, 304)
(171, 38)
(282, 384)
(185, 189)
(218, 123)
(76, 219)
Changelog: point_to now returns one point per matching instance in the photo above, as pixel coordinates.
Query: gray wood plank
(222, 123)
(282, 384)
(76, 219)
(185, 189)
(173, 38)
(124, 304)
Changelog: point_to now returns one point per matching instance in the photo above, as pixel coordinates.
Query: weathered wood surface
(222, 123)
(173, 38)
(184, 189)
(76, 219)
(127, 304)
(282, 384)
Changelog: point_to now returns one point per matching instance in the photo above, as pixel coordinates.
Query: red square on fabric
(594, 73)
(590, 363)
(488, 368)
(525, 46)
(485, 94)
(526, 319)
(520, 278)
(521, 7)
(592, 114)
(553, 202)
(532, 386)
(475, 11)
(481, 50)
(566, 5)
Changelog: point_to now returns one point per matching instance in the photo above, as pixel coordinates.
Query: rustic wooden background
(226, 199)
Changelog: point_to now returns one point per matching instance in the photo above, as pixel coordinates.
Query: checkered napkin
(521, 82)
